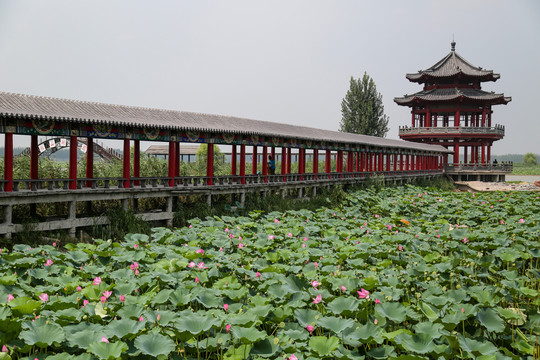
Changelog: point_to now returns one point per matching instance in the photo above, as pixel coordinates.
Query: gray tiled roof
(448, 94)
(30, 106)
(452, 65)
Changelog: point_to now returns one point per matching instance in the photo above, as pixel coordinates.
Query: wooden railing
(495, 130)
(24, 185)
(506, 167)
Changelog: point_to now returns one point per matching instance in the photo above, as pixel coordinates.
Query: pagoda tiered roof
(451, 66)
(450, 94)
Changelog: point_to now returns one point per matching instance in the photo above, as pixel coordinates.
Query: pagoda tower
(453, 111)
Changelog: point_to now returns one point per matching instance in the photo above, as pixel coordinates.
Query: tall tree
(362, 110)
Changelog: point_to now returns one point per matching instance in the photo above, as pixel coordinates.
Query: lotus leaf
(264, 348)
(154, 344)
(335, 324)
(41, 334)
(24, 305)
(393, 311)
(417, 343)
(490, 320)
(322, 345)
(107, 350)
(343, 304)
(195, 323)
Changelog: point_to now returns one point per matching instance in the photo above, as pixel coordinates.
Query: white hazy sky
(286, 61)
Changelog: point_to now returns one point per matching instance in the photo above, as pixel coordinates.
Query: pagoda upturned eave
(451, 94)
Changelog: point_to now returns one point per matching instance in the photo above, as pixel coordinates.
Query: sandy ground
(494, 186)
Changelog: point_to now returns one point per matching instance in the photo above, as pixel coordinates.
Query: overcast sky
(282, 60)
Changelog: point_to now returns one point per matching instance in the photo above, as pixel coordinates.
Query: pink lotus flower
(521, 221)
(134, 266)
(104, 339)
(4, 349)
(122, 298)
(135, 246)
(465, 240)
(303, 245)
(502, 222)
(200, 251)
(136, 271)
(226, 307)
(141, 318)
(107, 294)
(292, 357)
(228, 328)
(363, 294)
(10, 297)
(270, 237)
(197, 279)
(343, 288)
(316, 264)
(220, 248)
(240, 246)
(49, 262)
(310, 328)
(258, 274)
(97, 281)
(103, 299)
(400, 248)
(227, 230)
(54, 244)
(201, 266)
(85, 302)
(377, 301)
(44, 297)
(79, 289)
(462, 310)
(289, 235)
(317, 299)
(191, 264)
(315, 283)
(158, 317)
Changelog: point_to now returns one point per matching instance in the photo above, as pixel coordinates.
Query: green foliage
(530, 159)
(442, 275)
(362, 110)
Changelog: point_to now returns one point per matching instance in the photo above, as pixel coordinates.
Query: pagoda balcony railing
(503, 167)
(494, 130)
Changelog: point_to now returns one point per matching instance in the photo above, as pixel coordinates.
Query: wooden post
(210, 163)
(254, 160)
(127, 167)
(172, 162)
(34, 158)
(301, 159)
(8, 162)
(177, 161)
(137, 161)
(233, 161)
(242, 164)
(73, 162)
(89, 161)
(284, 162)
(483, 153)
(328, 162)
(316, 163)
(265, 163)
(289, 157)
(456, 152)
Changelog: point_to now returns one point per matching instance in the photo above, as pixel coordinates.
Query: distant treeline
(517, 158)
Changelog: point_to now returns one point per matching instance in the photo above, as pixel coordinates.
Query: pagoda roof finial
(453, 43)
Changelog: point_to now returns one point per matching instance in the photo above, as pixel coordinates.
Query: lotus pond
(400, 273)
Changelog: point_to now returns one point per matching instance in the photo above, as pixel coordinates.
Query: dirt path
(494, 186)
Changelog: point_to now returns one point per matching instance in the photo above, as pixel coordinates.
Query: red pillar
(265, 163)
(400, 162)
(489, 153)
(395, 162)
(126, 170)
(34, 156)
(137, 161)
(289, 158)
(483, 154)
(177, 161)
(73, 162)
(210, 163)
(8, 162)
(254, 160)
(233, 161)
(316, 162)
(172, 162)
(242, 164)
(283, 161)
(388, 162)
(89, 160)
(340, 162)
(456, 152)
(273, 153)
(301, 162)
(328, 162)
